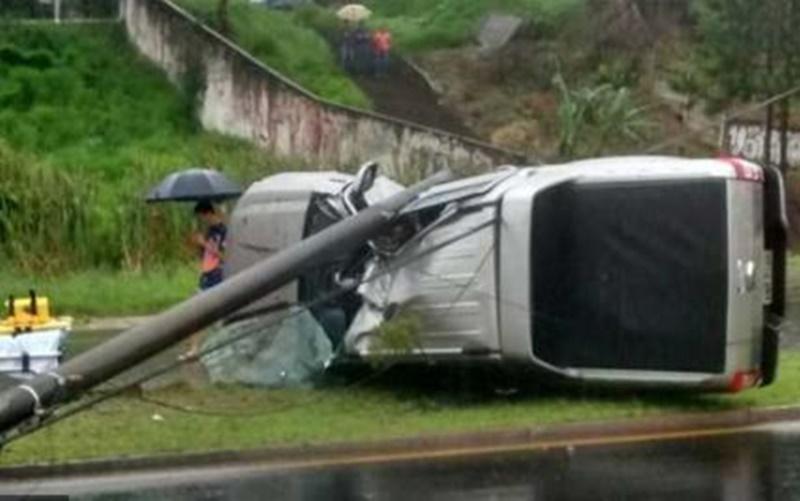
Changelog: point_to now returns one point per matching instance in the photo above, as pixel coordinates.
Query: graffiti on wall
(747, 140)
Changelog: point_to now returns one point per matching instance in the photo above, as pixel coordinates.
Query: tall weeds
(52, 220)
(598, 120)
(86, 127)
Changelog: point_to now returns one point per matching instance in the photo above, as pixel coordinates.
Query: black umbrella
(192, 185)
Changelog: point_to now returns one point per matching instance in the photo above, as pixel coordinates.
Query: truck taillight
(744, 170)
(744, 379)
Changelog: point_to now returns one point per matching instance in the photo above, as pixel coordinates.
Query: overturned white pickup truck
(638, 270)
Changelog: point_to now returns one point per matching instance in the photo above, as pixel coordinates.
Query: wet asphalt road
(759, 464)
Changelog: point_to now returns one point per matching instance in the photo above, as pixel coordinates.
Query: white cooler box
(29, 353)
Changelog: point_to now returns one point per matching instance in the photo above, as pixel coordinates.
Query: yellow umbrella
(353, 12)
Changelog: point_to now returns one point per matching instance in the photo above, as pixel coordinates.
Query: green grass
(259, 418)
(283, 42)
(420, 25)
(86, 127)
(103, 293)
(81, 97)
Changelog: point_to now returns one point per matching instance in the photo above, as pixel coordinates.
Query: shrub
(598, 120)
(618, 73)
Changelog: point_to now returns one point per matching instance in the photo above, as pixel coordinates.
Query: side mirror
(354, 194)
(365, 178)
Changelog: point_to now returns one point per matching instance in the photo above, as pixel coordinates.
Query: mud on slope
(509, 99)
(403, 93)
(499, 97)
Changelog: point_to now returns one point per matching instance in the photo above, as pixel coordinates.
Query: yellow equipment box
(30, 314)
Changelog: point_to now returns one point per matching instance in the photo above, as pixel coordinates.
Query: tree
(750, 49)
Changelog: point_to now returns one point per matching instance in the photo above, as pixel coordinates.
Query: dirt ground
(495, 97)
(508, 99)
(403, 93)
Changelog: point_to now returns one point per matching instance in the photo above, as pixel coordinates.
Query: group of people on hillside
(364, 52)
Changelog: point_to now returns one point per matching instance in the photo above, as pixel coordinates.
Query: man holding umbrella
(201, 186)
(211, 247)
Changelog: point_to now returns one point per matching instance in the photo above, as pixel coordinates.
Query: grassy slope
(420, 25)
(86, 127)
(278, 39)
(257, 418)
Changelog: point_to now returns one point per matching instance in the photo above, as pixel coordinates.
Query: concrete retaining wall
(244, 98)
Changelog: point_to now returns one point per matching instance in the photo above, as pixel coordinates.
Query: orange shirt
(382, 41)
(214, 248)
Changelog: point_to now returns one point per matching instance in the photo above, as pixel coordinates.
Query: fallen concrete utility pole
(135, 345)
